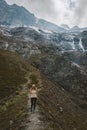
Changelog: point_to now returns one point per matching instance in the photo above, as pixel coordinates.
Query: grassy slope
(52, 97)
(12, 72)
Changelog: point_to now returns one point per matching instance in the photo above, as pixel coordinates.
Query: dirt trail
(34, 119)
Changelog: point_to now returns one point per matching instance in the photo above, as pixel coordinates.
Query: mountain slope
(63, 110)
(60, 111)
(71, 76)
(15, 15)
(12, 73)
(50, 26)
(13, 95)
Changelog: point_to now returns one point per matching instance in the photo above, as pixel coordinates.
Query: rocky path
(34, 119)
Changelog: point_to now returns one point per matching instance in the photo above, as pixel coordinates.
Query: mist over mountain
(14, 15)
(65, 26)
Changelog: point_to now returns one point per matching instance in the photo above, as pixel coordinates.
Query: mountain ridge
(14, 15)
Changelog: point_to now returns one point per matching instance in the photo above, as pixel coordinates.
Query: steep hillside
(64, 106)
(71, 76)
(16, 76)
(58, 108)
(12, 73)
(15, 44)
(15, 15)
(77, 57)
(13, 95)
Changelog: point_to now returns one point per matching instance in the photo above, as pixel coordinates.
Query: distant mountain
(14, 15)
(77, 29)
(65, 26)
(50, 26)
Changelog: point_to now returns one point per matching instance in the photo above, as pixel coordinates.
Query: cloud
(71, 4)
(42, 8)
(71, 12)
(81, 12)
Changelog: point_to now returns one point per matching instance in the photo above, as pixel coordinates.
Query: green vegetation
(14, 109)
(13, 96)
(12, 73)
(51, 99)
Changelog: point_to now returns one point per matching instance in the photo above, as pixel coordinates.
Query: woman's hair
(33, 86)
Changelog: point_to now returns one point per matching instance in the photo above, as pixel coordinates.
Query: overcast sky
(70, 12)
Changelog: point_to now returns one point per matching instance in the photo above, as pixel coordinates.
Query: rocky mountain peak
(14, 15)
(75, 28)
(65, 26)
(3, 1)
(3, 4)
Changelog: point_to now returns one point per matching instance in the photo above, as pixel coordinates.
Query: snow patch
(35, 28)
(46, 31)
(81, 46)
(40, 29)
(74, 64)
(81, 69)
(73, 45)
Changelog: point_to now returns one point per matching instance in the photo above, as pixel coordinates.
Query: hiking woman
(33, 96)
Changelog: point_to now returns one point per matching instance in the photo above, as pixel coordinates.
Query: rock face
(84, 39)
(33, 41)
(77, 57)
(25, 48)
(15, 15)
(29, 42)
(65, 42)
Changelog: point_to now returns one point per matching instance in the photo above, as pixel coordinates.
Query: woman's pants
(33, 104)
